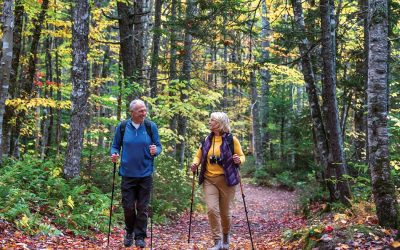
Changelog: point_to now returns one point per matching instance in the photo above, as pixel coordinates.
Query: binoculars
(215, 160)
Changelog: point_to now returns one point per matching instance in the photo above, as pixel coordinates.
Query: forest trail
(270, 211)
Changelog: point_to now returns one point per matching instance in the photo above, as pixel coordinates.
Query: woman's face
(213, 125)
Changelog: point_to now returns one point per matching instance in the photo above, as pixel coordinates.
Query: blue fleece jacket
(136, 160)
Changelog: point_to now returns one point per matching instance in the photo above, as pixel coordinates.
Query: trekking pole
(112, 198)
(151, 214)
(151, 208)
(247, 217)
(191, 206)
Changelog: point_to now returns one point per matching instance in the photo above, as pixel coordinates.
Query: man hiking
(140, 143)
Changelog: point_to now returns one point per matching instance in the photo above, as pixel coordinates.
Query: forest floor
(270, 212)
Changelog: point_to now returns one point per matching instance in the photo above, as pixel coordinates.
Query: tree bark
(156, 48)
(5, 61)
(59, 97)
(256, 138)
(265, 78)
(48, 119)
(138, 40)
(336, 156)
(126, 40)
(185, 77)
(378, 139)
(80, 89)
(321, 143)
(9, 132)
(172, 65)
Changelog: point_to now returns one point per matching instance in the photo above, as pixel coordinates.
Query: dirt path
(270, 212)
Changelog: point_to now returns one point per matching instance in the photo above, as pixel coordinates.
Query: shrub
(172, 189)
(39, 198)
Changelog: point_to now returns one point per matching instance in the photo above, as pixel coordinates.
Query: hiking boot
(140, 243)
(128, 239)
(225, 241)
(217, 245)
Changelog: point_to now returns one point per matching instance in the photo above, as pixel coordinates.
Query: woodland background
(312, 90)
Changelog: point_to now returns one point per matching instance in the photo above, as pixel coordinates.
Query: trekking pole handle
(153, 149)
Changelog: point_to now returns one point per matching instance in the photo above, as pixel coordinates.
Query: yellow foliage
(56, 172)
(395, 164)
(70, 202)
(395, 244)
(24, 221)
(22, 104)
(341, 217)
(60, 204)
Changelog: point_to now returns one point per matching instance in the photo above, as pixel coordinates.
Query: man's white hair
(134, 103)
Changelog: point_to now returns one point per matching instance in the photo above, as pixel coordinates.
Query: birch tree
(80, 89)
(5, 61)
(378, 139)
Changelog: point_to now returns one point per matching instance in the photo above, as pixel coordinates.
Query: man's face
(138, 113)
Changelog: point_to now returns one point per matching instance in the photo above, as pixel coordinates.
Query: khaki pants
(219, 200)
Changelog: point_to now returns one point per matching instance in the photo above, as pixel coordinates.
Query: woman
(219, 157)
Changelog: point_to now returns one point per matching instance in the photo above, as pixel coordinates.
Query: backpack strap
(147, 125)
(122, 129)
(149, 131)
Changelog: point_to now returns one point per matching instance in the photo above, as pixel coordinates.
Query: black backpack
(147, 124)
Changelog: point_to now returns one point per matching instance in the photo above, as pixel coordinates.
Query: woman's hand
(194, 167)
(236, 159)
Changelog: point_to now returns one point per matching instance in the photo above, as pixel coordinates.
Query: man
(140, 143)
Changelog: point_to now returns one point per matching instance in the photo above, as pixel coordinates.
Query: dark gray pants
(135, 201)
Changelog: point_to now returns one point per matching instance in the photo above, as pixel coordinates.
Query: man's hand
(153, 149)
(236, 159)
(194, 167)
(114, 157)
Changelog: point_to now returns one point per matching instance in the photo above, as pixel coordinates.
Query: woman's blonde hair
(223, 121)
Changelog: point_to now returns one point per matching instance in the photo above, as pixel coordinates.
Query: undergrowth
(36, 198)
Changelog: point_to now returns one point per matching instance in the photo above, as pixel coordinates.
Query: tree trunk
(172, 66)
(59, 96)
(156, 48)
(5, 61)
(138, 46)
(80, 89)
(185, 77)
(47, 120)
(336, 155)
(321, 143)
(256, 138)
(378, 139)
(126, 40)
(8, 130)
(27, 85)
(265, 78)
